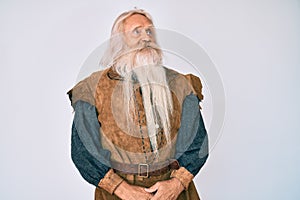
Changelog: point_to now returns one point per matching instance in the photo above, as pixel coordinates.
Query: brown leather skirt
(189, 194)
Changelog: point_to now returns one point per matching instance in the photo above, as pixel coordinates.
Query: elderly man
(137, 131)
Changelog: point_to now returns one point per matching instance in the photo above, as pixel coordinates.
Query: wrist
(121, 188)
(178, 183)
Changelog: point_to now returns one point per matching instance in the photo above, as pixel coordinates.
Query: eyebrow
(150, 26)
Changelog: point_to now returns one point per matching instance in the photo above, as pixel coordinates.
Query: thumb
(152, 189)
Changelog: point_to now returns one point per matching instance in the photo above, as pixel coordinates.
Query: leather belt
(145, 170)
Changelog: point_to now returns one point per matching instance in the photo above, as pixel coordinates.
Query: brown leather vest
(104, 90)
(134, 146)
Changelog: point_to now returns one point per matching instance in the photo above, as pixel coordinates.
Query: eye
(136, 31)
(148, 31)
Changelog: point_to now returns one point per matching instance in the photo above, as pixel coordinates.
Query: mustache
(142, 46)
(146, 45)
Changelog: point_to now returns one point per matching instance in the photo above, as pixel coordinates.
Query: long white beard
(145, 66)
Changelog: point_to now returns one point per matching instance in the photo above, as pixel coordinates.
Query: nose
(145, 37)
(146, 40)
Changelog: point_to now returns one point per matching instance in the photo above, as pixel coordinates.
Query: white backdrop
(254, 44)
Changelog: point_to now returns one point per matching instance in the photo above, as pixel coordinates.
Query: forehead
(136, 20)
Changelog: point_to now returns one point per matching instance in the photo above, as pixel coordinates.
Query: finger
(150, 196)
(156, 197)
(159, 196)
(153, 188)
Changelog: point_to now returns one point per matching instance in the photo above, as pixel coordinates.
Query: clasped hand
(162, 190)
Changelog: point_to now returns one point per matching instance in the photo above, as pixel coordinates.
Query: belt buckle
(139, 170)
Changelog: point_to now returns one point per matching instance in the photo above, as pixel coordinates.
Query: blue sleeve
(192, 140)
(89, 157)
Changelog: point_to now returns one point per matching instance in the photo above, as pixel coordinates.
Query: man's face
(138, 30)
